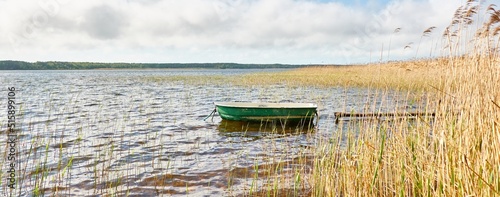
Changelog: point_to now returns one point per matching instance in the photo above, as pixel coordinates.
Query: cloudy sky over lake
(241, 31)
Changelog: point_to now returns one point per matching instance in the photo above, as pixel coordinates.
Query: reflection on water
(112, 133)
(275, 127)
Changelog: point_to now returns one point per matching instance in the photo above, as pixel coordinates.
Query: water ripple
(95, 133)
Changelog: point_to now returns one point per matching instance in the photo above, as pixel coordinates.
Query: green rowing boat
(291, 112)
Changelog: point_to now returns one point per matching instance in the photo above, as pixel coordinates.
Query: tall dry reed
(454, 153)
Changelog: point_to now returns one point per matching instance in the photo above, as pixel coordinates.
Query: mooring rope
(211, 114)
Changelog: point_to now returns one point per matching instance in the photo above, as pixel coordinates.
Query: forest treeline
(21, 65)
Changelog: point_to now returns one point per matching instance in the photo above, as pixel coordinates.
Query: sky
(239, 31)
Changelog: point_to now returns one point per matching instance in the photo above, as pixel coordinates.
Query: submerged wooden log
(379, 114)
(344, 114)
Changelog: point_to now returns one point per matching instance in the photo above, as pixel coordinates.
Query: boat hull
(256, 112)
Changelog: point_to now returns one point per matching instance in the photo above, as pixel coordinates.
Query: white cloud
(247, 31)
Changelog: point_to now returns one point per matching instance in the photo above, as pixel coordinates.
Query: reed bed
(451, 154)
(414, 75)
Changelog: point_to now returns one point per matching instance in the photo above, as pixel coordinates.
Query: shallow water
(109, 132)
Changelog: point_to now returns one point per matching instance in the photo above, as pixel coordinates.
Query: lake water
(110, 132)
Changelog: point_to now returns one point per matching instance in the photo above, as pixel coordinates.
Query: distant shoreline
(53, 65)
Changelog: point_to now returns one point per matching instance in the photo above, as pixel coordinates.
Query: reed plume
(426, 33)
